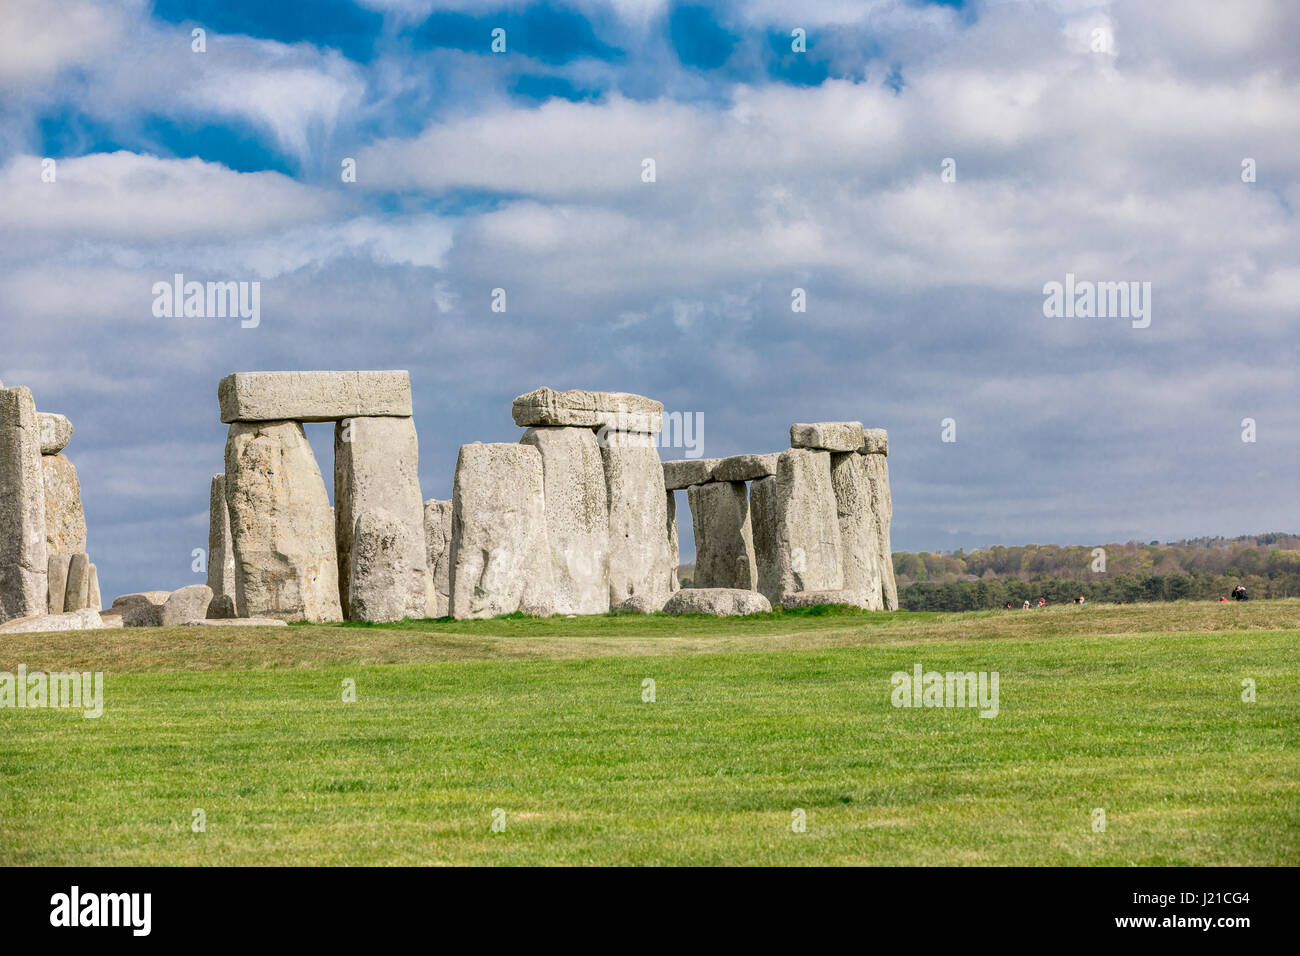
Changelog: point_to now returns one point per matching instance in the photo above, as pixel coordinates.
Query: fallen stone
(57, 575)
(65, 520)
(882, 507)
(281, 525)
(238, 622)
(724, 542)
(221, 548)
(796, 528)
(641, 604)
(222, 608)
(56, 432)
(859, 538)
(84, 620)
(377, 468)
(187, 604)
(142, 597)
(875, 441)
(380, 574)
(577, 516)
(437, 538)
(501, 562)
(640, 561)
(313, 396)
(720, 602)
(95, 600)
(77, 596)
(24, 553)
(745, 467)
(617, 411)
(827, 436)
(685, 472)
(815, 598)
(112, 618)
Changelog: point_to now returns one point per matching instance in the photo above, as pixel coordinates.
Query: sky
(921, 171)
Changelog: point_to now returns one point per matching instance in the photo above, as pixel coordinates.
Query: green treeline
(1202, 569)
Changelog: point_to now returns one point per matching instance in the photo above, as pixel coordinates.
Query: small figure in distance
(1026, 607)
(1222, 599)
(1008, 605)
(1042, 603)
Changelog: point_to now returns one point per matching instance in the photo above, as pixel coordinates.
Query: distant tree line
(1201, 569)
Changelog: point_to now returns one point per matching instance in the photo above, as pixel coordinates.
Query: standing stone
(56, 432)
(221, 549)
(58, 582)
(674, 551)
(24, 554)
(858, 534)
(724, 543)
(882, 508)
(380, 581)
(577, 516)
(65, 520)
(500, 558)
(437, 539)
(77, 595)
(280, 524)
(640, 561)
(95, 600)
(376, 466)
(796, 529)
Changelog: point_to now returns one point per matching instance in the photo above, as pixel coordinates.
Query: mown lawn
(1135, 709)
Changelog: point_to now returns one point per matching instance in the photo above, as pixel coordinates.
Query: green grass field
(1137, 710)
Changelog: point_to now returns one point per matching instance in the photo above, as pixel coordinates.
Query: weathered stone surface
(238, 622)
(827, 436)
(618, 411)
(859, 538)
(221, 548)
(111, 618)
(882, 507)
(720, 602)
(313, 396)
(501, 561)
(641, 604)
(814, 598)
(57, 576)
(377, 467)
(56, 432)
(674, 551)
(83, 620)
(281, 525)
(875, 441)
(685, 472)
(745, 467)
(577, 516)
(141, 597)
(187, 604)
(639, 558)
(380, 576)
(24, 554)
(77, 595)
(724, 543)
(796, 529)
(437, 539)
(65, 521)
(94, 600)
(222, 608)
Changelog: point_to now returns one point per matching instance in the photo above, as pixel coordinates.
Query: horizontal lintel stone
(314, 396)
